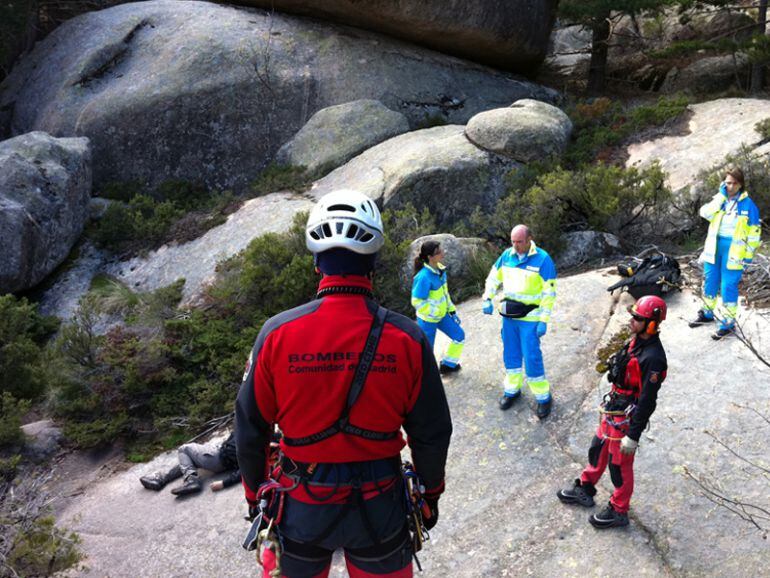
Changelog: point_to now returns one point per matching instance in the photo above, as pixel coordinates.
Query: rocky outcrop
(208, 93)
(435, 168)
(45, 186)
(43, 440)
(336, 134)
(584, 246)
(512, 35)
(715, 129)
(708, 75)
(458, 254)
(527, 131)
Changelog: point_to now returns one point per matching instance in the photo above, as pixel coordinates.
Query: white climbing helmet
(346, 219)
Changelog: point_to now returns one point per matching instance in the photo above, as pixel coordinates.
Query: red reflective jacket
(299, 374)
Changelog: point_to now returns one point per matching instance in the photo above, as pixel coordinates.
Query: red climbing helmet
(650, 307)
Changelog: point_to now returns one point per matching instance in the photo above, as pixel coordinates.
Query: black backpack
(653, 275)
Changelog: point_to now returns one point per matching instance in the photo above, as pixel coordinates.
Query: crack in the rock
(121, 48)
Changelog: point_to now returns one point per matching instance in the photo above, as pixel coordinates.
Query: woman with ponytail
(433, 305)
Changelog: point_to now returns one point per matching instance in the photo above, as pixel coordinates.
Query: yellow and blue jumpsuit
(733, 236)
(532, 281)
(435, 310)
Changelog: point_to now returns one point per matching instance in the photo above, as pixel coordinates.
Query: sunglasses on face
(638, 318)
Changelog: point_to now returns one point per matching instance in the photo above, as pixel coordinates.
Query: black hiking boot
(722, 332)
(444, 369)
(508, 400)
(701, 319)
(580, 493)
(157, 481)
(544, 409)
(192, 485)
(608, 518)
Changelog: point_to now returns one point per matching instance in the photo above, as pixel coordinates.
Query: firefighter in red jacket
(636, 373)
(339, 464)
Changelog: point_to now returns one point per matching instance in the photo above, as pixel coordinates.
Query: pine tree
(598, 16)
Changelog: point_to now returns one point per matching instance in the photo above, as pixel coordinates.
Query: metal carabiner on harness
(415, 509)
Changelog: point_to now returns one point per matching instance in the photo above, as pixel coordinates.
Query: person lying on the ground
(213, 456)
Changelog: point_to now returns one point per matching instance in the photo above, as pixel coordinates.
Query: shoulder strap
(356, 387)
(366, 359)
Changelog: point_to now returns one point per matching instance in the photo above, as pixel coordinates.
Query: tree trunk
(758, 68)
(597, 70)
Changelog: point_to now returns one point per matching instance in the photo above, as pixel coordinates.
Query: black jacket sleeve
(252, 431)
(429, 425)
(653, 373)
(232, 478)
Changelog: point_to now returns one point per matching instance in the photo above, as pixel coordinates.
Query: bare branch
(736, 454)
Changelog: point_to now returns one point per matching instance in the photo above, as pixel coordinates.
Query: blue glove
(455, 316)
(541, 329)
(723, 190)
(488, 307)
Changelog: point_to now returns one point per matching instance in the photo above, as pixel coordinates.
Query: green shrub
(141, 220)
(277, 177)
(601, 124)
(763, 128)
(120, 191)
(184, 194)
(9, 467)
(11, 412)
(472, 283)
(23, 333)
(41, 548)
(600, 197)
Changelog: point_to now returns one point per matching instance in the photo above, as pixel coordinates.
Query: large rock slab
(716, 129)
(435, 168)
(512, 35)
(208, 93)
(500, 515)
(527, 131)
(196, 261)
(336, 134)
(45, 186)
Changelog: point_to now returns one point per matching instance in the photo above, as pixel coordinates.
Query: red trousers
(605, 449)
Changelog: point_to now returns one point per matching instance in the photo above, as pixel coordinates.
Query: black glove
(429, 522)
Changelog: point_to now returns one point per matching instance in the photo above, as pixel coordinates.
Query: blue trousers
(718, 279)
(521, 346)
(450, 327)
